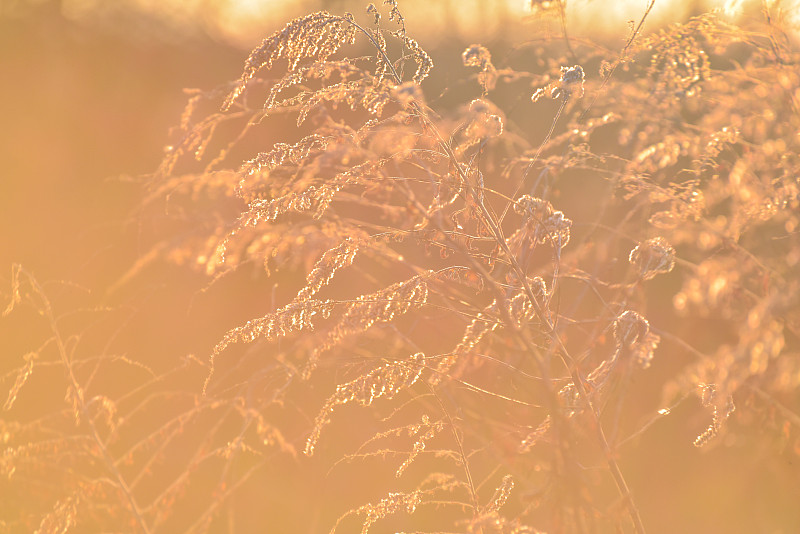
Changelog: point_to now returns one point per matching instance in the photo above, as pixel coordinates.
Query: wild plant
(473, 320)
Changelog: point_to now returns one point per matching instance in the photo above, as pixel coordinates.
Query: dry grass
(469, 319)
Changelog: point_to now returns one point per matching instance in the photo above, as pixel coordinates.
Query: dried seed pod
(633, 335)
(653, 257)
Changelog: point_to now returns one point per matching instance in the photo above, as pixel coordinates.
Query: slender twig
(78, 394)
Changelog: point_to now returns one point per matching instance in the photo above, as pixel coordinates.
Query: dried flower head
(485, 120)
(541, 224)
(569, 84)
(572, 79)
(653, 257)
(633, 335)
(478, 56)
(475, 56)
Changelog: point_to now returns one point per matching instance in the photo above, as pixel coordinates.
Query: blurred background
(91, 88)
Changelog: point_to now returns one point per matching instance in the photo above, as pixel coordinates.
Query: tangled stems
(497, 234)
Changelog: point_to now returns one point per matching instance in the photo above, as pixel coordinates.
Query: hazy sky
(244, 22)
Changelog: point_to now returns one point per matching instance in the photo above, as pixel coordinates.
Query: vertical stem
(78, 392)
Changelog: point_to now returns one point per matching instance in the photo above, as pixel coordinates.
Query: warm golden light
(245, 22)
(487, 267)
